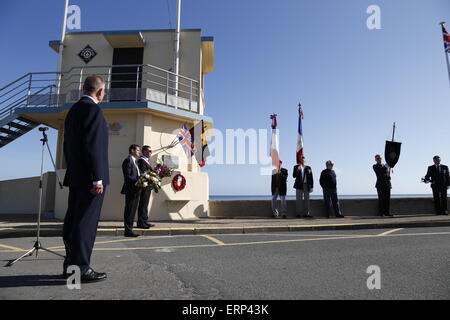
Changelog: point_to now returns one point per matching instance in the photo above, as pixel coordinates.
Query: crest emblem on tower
(87, 54)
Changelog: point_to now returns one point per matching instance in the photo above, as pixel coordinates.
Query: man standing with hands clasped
(304, 184)
(87, 175)
(131, 174)
(439, 177)
(328, 182)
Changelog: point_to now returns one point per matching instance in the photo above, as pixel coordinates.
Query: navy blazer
(279, 182)
(441, 179)
(309, 178)
(143, 165)
(383, 176)
(86, 145)
(130, 176)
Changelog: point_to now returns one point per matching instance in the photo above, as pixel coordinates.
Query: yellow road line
(270, 242)
(389, 232)
(123, 240)
(217, 241)
(10, 247)
(265, 242)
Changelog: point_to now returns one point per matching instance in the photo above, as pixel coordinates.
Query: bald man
(87, 175)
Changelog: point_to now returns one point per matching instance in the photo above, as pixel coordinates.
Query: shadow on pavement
(31, 281)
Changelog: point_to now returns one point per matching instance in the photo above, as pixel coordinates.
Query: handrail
(68, 85)
(16, 103)
(11, 83)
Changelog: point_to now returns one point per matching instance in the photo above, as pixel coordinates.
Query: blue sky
(353, 82)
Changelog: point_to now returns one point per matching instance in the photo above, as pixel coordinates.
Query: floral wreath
(176, 185)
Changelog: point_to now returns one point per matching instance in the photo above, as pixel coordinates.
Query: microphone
(43, 129)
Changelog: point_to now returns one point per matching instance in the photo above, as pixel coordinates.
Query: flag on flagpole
(185, 139)
(447, 47)
(200, 144)
(300, 134)
(446, 39)
(205, 149)
(274, 151)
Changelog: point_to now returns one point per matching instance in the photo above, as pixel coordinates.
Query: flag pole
(177, 47)
(61, 49)
(446, 55)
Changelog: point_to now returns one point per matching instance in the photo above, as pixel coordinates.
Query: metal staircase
(21, 93)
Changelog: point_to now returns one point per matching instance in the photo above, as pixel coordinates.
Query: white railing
(123, 83)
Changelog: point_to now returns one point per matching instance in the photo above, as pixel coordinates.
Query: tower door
(126, 82)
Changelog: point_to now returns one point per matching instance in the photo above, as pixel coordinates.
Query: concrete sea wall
(21, 196)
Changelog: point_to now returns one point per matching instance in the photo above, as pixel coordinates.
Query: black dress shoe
(308, 216)
(284, 216)
(147, 226)
(92, 276)
(389, 215)
(340, 216)
(131, 235)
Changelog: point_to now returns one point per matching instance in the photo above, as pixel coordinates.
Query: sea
(292, 197)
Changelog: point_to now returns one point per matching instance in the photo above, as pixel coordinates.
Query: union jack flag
(300, 151)
(185, 138)
(446, 39)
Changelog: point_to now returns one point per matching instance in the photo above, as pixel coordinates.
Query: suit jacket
(298, 178)
(130, 176)
(383, 177)
(143, 165)
(328, 179)
(279, 181)
(86, 145)
(439, 179)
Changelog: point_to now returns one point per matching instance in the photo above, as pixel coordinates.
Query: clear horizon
(353, 82)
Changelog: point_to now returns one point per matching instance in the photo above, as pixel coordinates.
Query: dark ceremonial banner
(392, 153)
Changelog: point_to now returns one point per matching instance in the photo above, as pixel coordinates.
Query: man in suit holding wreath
(144, 165)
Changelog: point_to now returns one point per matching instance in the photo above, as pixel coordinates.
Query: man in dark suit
(383, 186)
(144, 165)
(279, 188)
(130, 189)
(328, 183)
(87, 175)
(439, 177)
(304, 184)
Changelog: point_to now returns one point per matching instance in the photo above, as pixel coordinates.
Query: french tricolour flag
(300, 134)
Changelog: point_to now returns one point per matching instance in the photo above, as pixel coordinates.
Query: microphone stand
(37, 244)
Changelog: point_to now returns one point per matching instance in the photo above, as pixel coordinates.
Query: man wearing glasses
(383, 186)
(144, 165)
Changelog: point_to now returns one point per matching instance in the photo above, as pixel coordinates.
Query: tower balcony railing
(131, 83)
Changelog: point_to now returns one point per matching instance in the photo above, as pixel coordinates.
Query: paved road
(414, 264)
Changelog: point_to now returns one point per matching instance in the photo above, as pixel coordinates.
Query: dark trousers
(331, 200)
(131, 205)
(144, 199)
(384, 200)
(80, 226)
(440, 198)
